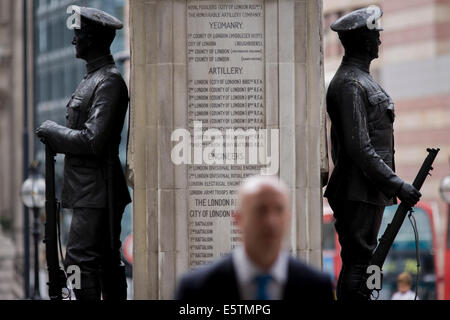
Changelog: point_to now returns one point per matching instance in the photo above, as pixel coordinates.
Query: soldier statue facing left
(94, 183)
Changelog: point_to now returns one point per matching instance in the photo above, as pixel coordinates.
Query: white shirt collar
(247, 270)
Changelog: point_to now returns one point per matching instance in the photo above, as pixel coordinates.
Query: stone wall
(161, 101)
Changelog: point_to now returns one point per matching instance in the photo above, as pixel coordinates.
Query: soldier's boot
(90, 288)
(353, 286)
(114, 283)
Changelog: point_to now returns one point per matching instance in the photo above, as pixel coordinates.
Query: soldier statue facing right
(363, 181)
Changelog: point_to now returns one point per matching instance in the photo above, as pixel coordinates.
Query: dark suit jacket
(218, 282)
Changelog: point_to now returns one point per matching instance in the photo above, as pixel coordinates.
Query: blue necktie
(261, 283)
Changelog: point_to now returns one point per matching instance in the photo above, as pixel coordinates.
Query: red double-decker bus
(401, 257)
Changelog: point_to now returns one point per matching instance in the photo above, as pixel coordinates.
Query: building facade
(13, 132)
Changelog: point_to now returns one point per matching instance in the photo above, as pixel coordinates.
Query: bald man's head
(263, 217)
(254, 184)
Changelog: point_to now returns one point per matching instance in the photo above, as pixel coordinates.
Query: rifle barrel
(51, 234)
(387, 239)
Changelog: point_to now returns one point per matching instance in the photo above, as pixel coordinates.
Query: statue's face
(373, 43)
(81, 42)
(364, 43)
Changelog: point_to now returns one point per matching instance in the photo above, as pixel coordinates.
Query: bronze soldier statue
(363, 181)
(94, 183)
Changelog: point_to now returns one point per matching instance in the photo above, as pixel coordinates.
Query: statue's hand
(409, 194)
(45, 130)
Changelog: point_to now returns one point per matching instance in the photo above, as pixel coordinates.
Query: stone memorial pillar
(220, 90)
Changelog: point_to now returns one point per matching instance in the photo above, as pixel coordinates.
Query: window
(42, 36)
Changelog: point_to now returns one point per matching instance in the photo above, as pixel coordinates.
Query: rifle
(387, 239)
(56, 276)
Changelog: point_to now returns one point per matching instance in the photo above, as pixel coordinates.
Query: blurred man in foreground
(260, 269)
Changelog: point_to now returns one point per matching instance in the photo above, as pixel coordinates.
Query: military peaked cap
(364, 19)
(100, 18)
